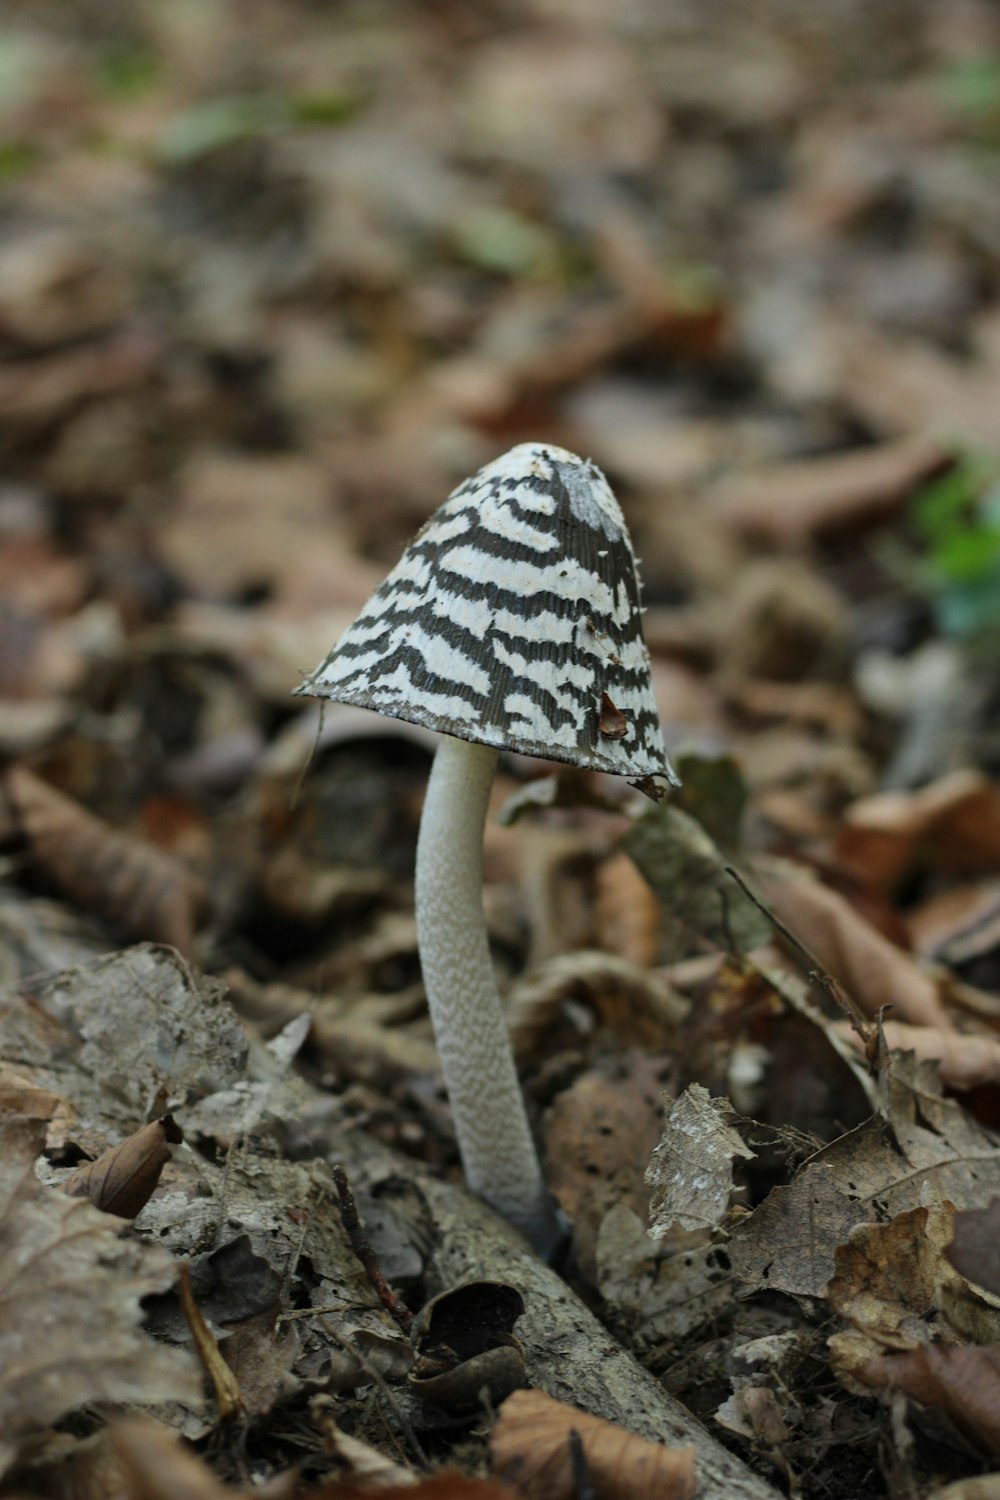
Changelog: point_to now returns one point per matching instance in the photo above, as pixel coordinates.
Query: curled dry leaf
(909, 1309)
(117, 877)
(65, 1270)
(531, 1449)
(123, 1179)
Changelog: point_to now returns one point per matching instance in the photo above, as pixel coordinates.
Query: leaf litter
(269, 289)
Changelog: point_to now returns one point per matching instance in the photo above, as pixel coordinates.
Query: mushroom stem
(498, 1153)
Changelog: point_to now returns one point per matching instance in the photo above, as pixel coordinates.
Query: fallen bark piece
(532, 1449)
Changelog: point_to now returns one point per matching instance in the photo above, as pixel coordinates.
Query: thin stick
(362, 1247)
(816, 971)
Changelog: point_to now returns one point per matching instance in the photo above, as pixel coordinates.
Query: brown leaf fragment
(613, 724)
(65, 1269)
(599, 1134)
(975, 1247)
(962, 1381)
(787, 1244)
(798, 501)
(965, 1060)
(691, 1171)
(888, 1275)
(123, 1179)
(19, 1096)
(159, 1466)
(224, 1382)
(122, 879)
(874, 971)
(952, 824)
(530, 1448)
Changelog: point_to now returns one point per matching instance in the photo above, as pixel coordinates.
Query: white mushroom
(511, 622)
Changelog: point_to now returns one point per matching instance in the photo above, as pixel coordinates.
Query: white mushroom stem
(498, 1153)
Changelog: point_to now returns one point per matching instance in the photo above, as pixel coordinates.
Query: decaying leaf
(530, 1448)
(975, 1247)
(910, 1312)
(873, 971)
(951, 824)
(691, 1171)
(70, 1289)
(928, 1143)
(590, 997)
(658, 1293)
(788, 1242)
(965, 1059)
(599, 1134)
(687, 870)
(149, 1032)
(124, 1178)
(131, 883)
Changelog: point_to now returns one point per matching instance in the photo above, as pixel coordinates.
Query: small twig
(816, 971)
(583, 1484)
(361, 1245)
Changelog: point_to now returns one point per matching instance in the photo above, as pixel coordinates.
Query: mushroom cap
(513, 619)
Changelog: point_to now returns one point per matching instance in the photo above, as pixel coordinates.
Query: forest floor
(274, 278)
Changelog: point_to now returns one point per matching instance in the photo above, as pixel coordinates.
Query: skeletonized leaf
(691, 1170)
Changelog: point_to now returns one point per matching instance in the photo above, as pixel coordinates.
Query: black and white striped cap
(513, 620)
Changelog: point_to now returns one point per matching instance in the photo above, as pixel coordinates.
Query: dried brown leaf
(798, 501)
(788, 1243)
(872, 970)
(159, 1466)
(952, 824)
(962, 1381)
(123, 879)
(530, 1447)
(599, 1134)
(966, 1061)
(975, 1248)
(124, 1178)
(929, 1143)
(66, 1273)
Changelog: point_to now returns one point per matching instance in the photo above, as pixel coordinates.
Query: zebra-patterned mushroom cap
(513, 620)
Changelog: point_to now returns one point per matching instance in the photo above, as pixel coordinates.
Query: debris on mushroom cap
(513, 620)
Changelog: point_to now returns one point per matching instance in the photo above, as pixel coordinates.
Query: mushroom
(511, 622)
